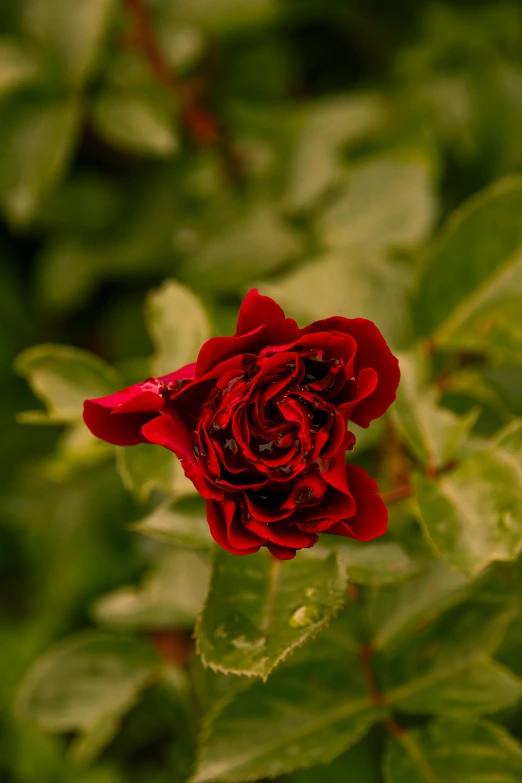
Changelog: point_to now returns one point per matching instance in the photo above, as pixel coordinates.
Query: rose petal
(281, 552)
(169, 431)
(225, 529)
(372, 351)
(257, 310)
(371, 515)
(135, 406)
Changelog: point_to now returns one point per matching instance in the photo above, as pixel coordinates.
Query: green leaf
(445, 666)
(137, 121)
(484, 688)
(470, 295)
(71, 33)
(256, 615)
(359, 764)
(354, 282)
(223, 16)
(252, 244)
(37, 137)
(433, 434)
(325, 127)
(167, 523)
(84, 680)
(17, 65)
(146, 468)
(171, 596)
(398, 609)
(63, 377)
(376, 563)
(305, 714)
(178, 326)
(473, 516)
(385, 203)
(449, 750)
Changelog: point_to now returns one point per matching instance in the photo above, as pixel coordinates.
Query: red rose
(260, 426)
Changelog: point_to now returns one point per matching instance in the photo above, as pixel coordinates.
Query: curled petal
(371, 515)
(227, 530)
(256, 311)
(372, 351)
(119, 417)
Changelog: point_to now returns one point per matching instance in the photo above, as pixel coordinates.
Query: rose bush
(259, 423)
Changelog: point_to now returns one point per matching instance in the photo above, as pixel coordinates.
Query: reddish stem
(397, 493)
(204, 128)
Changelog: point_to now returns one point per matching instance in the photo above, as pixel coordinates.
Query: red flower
(260, 426)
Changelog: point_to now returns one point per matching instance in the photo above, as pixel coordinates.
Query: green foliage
(473, 515)
(454, 750)
(255, 616)
(158, 159)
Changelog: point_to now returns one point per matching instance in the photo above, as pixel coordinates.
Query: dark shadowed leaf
(305, 714)
(454, 751)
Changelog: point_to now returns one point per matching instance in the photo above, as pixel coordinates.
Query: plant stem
(203, 126)
(365, 657)
(397, 493)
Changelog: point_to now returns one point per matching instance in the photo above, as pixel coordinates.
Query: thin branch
(365, 657)
(397, 493)
(203, 126)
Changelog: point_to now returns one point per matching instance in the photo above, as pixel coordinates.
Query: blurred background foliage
(311, 148)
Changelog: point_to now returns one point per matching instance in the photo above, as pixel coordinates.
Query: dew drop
(311, 592)
(306, 615)
(242, 643)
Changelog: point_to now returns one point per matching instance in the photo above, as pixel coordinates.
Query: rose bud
(260, 426)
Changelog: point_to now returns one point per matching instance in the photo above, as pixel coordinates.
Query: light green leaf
(355, 282)
(326, 126)
(398, 609)
(484, 688)
(146, 468)
(167, 523)
(77, 448)
(470, 296)
(178, 326)
(37, 136)
(304, 715)
(433, 434)
(63, 377)
(137, 121)
(360, 764)
(18, 66)
(450, 750)
(71, 33)
(252, 244)
(171, 596)
(385, 203)
(376, 563)
(473, 516)
(85, 747)
(256, 615)
(84, 680)
(223, 16)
